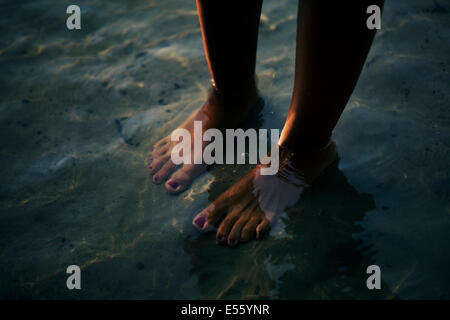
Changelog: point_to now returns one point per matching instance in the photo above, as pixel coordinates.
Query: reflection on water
(80, 111)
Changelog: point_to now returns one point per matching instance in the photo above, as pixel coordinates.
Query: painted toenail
(200, 221)
(233, 242)
(156, 178)
(174, 185)
(151, 158)
(150, 167)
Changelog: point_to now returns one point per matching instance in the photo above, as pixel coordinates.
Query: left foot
(219, 112)
(255, 202)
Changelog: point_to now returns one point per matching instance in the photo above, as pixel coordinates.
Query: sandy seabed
(80, 111)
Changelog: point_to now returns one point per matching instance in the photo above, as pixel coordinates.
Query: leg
(332, 45)
(230, 33)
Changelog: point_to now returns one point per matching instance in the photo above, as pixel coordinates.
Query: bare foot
(255, 202)
(220, 112)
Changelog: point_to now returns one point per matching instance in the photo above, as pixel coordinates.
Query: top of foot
(220, 112)
(255, 202)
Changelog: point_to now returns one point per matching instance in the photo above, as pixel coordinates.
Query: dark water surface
(80, 111)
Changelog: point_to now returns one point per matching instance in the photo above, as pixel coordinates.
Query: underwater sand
(80, 111)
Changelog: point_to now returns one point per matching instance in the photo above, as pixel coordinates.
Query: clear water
(80, 110)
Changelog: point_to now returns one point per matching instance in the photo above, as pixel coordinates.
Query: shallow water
(80, 110)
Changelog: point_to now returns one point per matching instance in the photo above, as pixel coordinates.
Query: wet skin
(218, 112)
(254, 203)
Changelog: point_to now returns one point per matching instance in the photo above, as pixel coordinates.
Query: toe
(249, 230)
(158, 163)
(183, 178)
(166, 170)
(160, 143)
(262, 228)
(235, 233)
(207, 219)
(236, 210)
(159, 152)
(225, 227)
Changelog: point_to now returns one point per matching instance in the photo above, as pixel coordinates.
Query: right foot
(255, 202)
(218, 112)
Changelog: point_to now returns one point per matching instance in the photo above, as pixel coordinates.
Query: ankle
(304, 144)
(246, 90)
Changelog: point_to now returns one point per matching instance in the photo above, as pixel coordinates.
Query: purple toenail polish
(200, 221)
(156, 178)
(151, 158)
(173, 184)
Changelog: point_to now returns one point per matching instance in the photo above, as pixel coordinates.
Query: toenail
(200, 221)
(233, 242)
(174, 185)
(151, 158)
(156, 178)
(150, 167)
